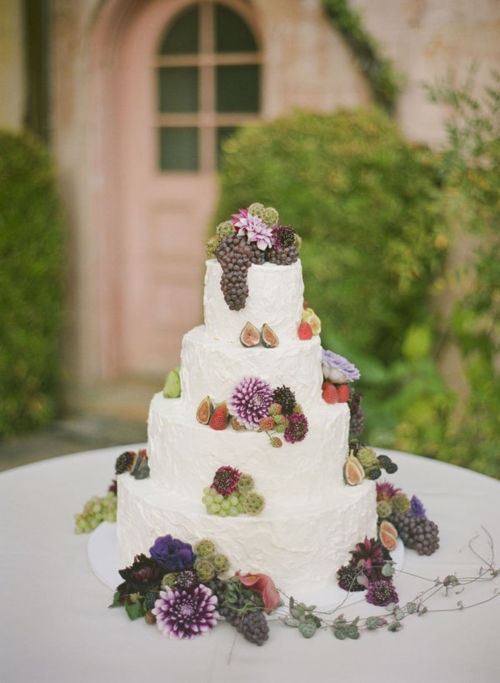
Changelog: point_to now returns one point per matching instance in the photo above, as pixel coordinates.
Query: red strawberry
(219, 417)
(330, 394)
(305, 331)
(343, 393)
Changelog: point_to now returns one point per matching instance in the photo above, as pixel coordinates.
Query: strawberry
(305, 331)
(219, 417)
(343, 393)
(330, 394)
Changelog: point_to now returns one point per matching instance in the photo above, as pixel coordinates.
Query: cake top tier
(253, 276)
(275, 297)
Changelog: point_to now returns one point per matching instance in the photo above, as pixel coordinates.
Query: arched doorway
(173, 79)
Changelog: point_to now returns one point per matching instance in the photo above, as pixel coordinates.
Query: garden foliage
(369, 207)
(31, 284)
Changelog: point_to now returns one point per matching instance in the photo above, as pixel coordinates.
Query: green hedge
(363, 200)
(32, 276)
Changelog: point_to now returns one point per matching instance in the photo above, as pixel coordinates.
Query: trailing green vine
(378, 70)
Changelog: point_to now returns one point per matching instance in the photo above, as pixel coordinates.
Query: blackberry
(254, 627)
(282, 257)
(284, 236)
(286, 398)
(124, 462)
(417, 533)
(186, 580)
(373, 473)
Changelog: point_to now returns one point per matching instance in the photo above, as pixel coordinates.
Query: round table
(56, 626)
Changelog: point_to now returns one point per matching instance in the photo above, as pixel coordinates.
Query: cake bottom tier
(300, 553)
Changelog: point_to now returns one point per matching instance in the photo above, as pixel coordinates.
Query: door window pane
(231, 32)
(178, 89)
(182, 36)
(178, 149)
(238, 88)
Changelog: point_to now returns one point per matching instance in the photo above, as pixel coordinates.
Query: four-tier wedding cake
(248, 443)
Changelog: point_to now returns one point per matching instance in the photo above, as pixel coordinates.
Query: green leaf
(135, 610)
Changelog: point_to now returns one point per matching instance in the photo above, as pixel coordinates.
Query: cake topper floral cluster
(252, 236)
(254, 405)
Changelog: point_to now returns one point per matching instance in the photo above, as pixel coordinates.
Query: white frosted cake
(309, 518)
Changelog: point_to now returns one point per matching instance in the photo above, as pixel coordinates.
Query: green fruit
(268, 337)
(250, 335)
(172, 387)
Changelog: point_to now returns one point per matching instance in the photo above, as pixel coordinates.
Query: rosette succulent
(172, 554)
(184, 614)
(338, 369)
(250, 401)
(254, 227)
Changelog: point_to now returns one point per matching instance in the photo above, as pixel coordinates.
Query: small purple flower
(172, 554)
(297, 427)
(381, 593)
(254, 228)
(250, 401)
(338, 369)
(416, 507)
(226, 480)
(185, 614)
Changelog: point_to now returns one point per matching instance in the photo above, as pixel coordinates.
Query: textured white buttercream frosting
(311, 519)
(275, 297)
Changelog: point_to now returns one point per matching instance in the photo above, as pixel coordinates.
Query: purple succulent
(338, 369)
(381, 593)
(250, 401)
(184, 614)
(297, 427)
(171, 554)
(255, 229)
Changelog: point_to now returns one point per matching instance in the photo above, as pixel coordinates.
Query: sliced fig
(353, 471)
(205, 410)
(269, 337)
(388, 535)
(250, 335)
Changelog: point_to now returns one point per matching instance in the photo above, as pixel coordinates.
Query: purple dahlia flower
(338, 369)
(172, 554)
(381, 593)
(250, 401)
(186, 613)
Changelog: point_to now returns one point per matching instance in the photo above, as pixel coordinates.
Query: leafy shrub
(363, 200)
(374, 212)
(31, 284)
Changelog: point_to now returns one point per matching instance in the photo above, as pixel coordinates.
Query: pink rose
(263, 584)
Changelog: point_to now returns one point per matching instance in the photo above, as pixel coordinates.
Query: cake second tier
(210, 367)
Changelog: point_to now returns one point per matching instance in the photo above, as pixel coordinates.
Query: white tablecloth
(55, 625)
